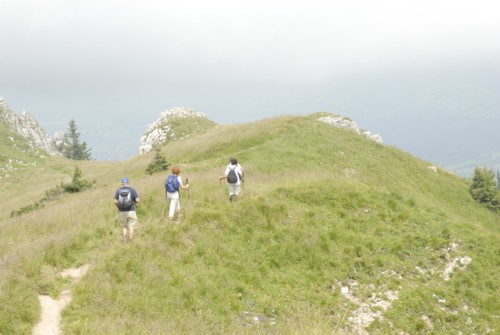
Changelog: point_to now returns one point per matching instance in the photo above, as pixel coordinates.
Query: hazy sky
(114, 66)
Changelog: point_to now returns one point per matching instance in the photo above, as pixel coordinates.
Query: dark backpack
(232, 178)
(125, 201)
(171, 184)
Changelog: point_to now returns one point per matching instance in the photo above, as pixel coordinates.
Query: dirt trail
(51, 309)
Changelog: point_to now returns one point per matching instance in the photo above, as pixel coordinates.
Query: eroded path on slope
(49, 323)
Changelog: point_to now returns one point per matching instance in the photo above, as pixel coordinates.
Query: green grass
(322, 208)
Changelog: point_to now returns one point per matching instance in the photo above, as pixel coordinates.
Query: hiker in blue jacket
(173, 184)
(234, 176)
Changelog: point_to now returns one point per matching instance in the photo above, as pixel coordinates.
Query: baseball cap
(124, 180)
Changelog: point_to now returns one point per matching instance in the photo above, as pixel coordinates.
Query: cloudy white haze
(423, 74)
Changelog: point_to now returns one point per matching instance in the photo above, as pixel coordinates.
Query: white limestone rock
(30, 129)
(161, 131)
(346, 123)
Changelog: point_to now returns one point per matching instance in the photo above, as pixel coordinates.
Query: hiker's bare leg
(124, 233)
(132, 223)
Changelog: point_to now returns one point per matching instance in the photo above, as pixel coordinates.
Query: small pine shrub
(158, 164)
(483, 189)
(27, 209)
(78, 184)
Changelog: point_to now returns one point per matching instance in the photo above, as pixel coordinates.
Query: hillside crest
(171, 126)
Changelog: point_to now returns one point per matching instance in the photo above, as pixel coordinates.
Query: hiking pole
(187, 184)
(162, 207)
(162, 214)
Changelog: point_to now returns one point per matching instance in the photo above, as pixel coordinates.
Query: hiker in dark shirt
(126, 198)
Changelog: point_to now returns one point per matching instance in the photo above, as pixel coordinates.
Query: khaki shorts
(129, 219)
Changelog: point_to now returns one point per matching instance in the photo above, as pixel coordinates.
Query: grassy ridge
(323, 209)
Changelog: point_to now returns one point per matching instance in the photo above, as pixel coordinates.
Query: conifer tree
(73, 148)
(158, 164)
(483, 188)
(498, 180)
(79, 183)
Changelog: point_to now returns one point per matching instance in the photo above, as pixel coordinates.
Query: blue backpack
(171, 184)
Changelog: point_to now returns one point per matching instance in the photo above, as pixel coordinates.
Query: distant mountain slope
(450, 117)
(447, 115)
(334, 233)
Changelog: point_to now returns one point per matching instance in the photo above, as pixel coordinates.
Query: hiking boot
(174, 219)
(233, 197)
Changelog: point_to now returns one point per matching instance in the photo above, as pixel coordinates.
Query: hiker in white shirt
(233, 185)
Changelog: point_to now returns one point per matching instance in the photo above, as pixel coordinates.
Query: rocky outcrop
(346, 123)
(169, 128)
(29, 128)
(58, 140)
